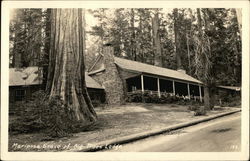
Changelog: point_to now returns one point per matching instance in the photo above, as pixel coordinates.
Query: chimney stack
(181, 71)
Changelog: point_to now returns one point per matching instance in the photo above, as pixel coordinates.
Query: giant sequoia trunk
(66, 76)
(157, 42)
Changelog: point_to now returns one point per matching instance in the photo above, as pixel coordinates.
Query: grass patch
(113, 123)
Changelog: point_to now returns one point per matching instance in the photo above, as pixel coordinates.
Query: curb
(126, 139)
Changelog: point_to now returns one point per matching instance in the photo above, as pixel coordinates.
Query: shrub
(200, 112)
(51, 116)
(28, 114)
(193, 107)
(231, 101)
(152, 97)
(134, 97)
(183, 102)
(149, 97)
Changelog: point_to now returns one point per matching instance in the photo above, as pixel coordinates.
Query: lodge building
(25, 81)
(111, 79)
(120, 77)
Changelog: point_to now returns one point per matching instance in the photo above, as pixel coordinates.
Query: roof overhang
(234, 88)
(159, 76)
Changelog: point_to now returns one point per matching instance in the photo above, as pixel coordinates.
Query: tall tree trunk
(156, 42)
(204, 75)
(17, 55)
(140, 35)
(188, 52)
(206, 97)
(177, 39)
(19, 43)
(237, 69)
(102, 27)
(46, 47)
(66, 74)
(132, 39)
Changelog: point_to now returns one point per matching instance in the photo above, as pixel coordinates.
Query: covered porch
(160, 85)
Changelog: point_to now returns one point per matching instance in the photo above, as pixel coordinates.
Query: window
(20, 95)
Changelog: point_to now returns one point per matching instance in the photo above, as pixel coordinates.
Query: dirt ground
(113, 122)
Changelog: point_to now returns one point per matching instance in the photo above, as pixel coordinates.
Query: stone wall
(110, 79)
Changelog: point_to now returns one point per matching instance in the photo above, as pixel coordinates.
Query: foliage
(220, 28)
(134, 97)
(230, 100)
(41, 114)
(194, 107)
(200, 112)
(27, 115)
(26, 37)
(150, 97)
(130, 32)
(197, 108)
(220, 42)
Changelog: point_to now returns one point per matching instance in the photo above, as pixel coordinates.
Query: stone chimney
(108, 55)
(110, 78)
(181, 70)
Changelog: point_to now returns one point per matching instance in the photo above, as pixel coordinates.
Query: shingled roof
(154, 70)
(24, 76)
(234, 88)
(91, 83)
(29, 76)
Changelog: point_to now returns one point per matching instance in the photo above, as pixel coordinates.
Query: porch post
(142, 84)
(158, 86)
(188, 91)
(173, 87)
(200, 93)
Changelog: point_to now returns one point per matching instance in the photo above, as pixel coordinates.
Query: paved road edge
(126, 139)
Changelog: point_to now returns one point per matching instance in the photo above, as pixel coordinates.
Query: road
(219, 135)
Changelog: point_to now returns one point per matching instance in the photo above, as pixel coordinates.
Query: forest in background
(164, 37)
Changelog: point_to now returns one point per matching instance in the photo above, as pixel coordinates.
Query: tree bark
(188, 51)
(157, 42)
(132, 39)
(46, 47)
(206, 97)
(177, 40)
(139, 43)
(204, 75)
(66, 73)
